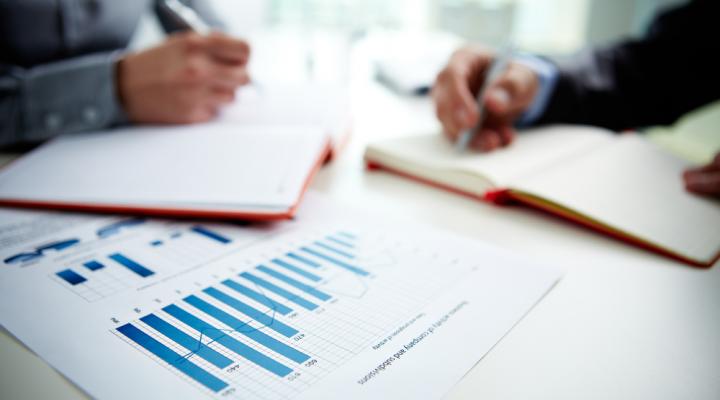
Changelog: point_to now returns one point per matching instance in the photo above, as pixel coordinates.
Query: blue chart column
(182, 364)
(131, 265)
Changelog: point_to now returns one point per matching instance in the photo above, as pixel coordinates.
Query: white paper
(431, 305)
(209, 166)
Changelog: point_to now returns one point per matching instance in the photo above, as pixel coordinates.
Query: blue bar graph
(187, 341)
(164, 353)
(297, 270)
(340, 242)
(93, 265)
(304, 260)
(337, 262)
(71, 277)
(131, 265)
(259, 297)
(294, 283)
(210, 234)
(234, 345)
(259, 316)
(308, 305)
(247, 330)
(335, 250)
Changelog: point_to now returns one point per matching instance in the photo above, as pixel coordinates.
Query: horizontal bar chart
(308, 305)
(294, 283)
(336, 261)
(297, 270)
(259, 297)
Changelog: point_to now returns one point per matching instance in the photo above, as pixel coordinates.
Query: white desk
(623, 323)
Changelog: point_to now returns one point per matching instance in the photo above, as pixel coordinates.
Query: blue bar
(347, 235)
(243, 350)
(251, 312)
(259, 297)
(156, 243)
(297, 270)
(71, 277)
(176, 360)
(340, 242)
(334, 250)
(247, 330)
(93, 265)
(131, 265)
(304, 260)
(187, 341)
(337, 262)
(292, 282)
(280, 291)
(210, 234)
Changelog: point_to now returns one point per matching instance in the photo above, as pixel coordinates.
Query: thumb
(498, 100)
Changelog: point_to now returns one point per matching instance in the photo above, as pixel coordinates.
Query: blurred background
(553, 27)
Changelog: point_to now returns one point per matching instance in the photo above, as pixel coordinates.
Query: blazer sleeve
(72, 95)
(202, 7)
(650, 81)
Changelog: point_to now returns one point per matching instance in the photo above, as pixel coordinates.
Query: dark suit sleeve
(202, 7)
(636, 83)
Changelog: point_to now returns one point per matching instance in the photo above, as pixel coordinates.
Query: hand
(186, 79)
(704, 180)
(455, 91)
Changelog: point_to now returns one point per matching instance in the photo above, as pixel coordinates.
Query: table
(622, 323)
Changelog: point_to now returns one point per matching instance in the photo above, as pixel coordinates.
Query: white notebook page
(636, 187)
(207, 166)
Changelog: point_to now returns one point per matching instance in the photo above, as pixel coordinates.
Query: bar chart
(278, 326)
(105, 270)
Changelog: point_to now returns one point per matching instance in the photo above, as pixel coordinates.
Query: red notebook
(621, 185)
(205, 171)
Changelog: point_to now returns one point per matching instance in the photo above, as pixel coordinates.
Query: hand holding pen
(185, 79)
(478, 104)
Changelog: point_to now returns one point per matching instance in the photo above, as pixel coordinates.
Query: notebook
(326, 106)
(621, 185)
(210, 170)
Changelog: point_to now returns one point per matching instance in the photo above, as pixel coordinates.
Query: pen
(497, 67)
(187, 17)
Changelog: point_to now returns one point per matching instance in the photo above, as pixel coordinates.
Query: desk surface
(622, 323)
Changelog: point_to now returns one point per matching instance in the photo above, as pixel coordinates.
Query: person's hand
(186, 79)
(454, 94)
(704, 180)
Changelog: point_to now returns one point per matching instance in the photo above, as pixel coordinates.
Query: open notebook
(208, 170)
(621, 185)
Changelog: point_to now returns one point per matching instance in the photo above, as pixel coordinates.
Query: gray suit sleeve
(72, 95)
(202, 7)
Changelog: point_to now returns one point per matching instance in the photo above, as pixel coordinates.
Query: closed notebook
(621, 185)
(209, 170)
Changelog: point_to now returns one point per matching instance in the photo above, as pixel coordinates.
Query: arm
(643, 82)
(68, 96)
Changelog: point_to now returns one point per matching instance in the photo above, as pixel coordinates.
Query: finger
(507, 135)
(705, 183)
(444, 112)
(221, 96)
(228, 49)
(486, 140)
(229, 76)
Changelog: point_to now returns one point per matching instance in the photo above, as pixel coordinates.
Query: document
(334, 302)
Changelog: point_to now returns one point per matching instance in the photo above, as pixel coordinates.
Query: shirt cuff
(547, 74)
(75, 95)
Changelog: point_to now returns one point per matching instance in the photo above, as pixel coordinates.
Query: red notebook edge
(505, 197)
(180, 213)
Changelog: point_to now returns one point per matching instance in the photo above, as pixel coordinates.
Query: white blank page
(636, 187)
(201, 166)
